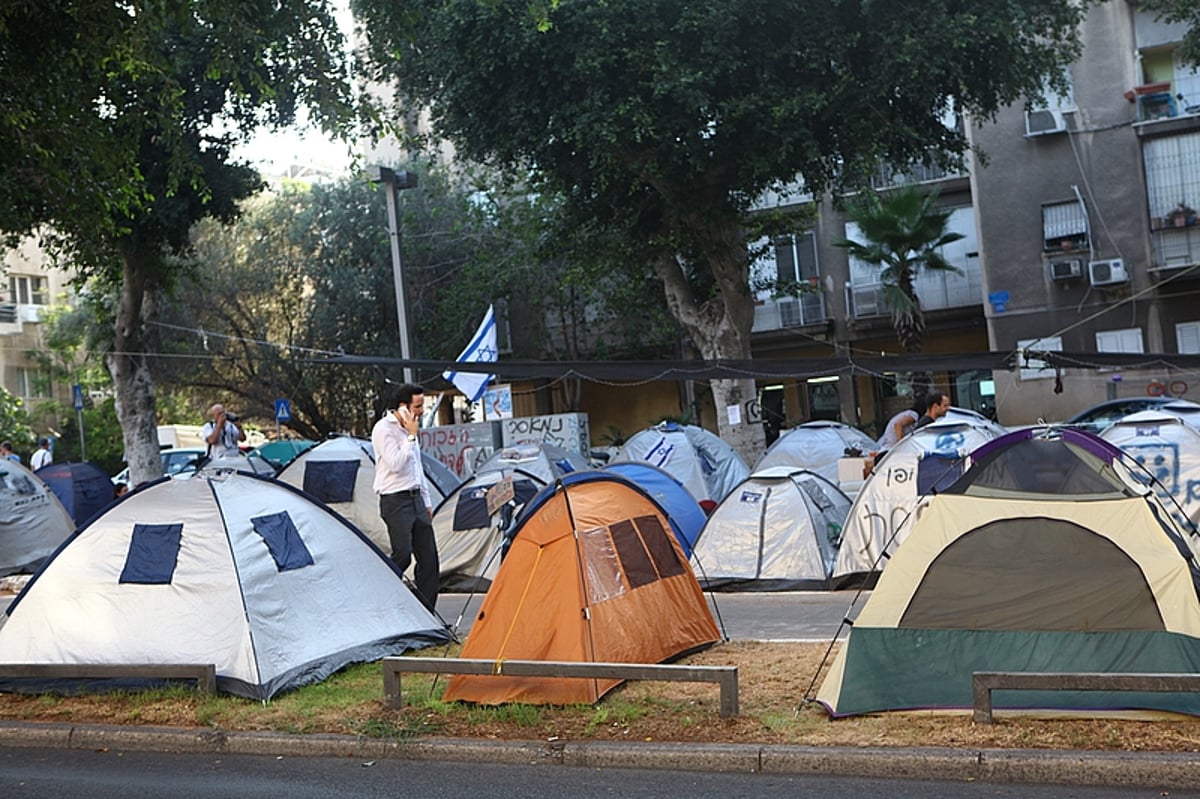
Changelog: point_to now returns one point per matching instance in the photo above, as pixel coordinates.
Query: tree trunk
(134, 389)
(720, 329)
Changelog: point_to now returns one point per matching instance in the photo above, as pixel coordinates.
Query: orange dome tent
(593, 574)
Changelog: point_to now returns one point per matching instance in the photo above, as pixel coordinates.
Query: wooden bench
(984, 682)
(204, 674)
(725, 676)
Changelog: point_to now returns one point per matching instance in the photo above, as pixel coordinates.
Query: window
(27, 289)
(1033, 368)
(1173, 180)
(1187, 85)
(33, 383)
(796, 263)
(1064, 227)
(1127, 340)
(1187, 338)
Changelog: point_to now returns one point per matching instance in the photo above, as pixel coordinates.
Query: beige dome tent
(1042, 557)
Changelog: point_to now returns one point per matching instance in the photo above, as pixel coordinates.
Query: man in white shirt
(404, 501)
(222, 433)
(42, 456)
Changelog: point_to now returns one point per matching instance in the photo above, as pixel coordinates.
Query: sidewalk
(1164, 771)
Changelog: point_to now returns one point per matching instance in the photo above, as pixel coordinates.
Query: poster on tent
(495, 404)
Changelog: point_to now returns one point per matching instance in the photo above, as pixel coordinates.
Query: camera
(233, 417)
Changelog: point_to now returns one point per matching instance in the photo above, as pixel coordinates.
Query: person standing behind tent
(222, 433)
(41, 457)
(404, 500)
(901, 425)
(6, 452)
(937, 405)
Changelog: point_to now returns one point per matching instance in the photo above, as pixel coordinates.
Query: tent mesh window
(283, 541)
(645, 551)
(659, 546)
(153, 552)
(331, 481)
(603, 569)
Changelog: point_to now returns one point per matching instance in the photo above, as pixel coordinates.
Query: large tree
(119, 122)
(665, 119)
(306, 272)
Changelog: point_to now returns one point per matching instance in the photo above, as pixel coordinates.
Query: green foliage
(101, 435)
(1184, 11)
(903, 232)
(14, 423)
(112, 116)
(661, 122)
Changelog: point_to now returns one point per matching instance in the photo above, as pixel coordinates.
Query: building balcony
(787, 312)
(1176, 247)
(936, 291)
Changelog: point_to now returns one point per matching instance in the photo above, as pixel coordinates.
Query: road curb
(1163, 770)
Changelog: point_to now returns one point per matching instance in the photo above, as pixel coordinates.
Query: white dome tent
(880, 517)
(245, 573)
(779, 530)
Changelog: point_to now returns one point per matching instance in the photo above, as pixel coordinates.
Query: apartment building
(1079, 235)
(32, 285)
(1088, 236)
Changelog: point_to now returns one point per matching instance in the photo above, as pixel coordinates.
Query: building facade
(1079, 234)
(32, 284)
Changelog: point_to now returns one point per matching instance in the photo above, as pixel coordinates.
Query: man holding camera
(222, 433)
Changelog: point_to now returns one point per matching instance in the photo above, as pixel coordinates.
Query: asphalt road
(760, 616)
(113, 774)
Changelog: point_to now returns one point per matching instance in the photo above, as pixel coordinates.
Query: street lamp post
(393, 181)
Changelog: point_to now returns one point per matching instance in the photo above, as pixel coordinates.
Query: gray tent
(33, 522)
(242, 572)
(469, 537)
(778, 530)
(340, 472)
(815, 446)
(707, 466)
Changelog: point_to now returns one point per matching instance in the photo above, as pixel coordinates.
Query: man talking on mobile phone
(404, 500)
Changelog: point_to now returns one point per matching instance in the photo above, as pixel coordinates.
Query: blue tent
(686, 515)
(83, 488)
(679, 506)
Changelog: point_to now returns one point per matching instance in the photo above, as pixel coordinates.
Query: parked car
(174, 461)
(1101, 415)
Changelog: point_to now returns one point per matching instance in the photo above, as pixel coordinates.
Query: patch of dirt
(773, 679)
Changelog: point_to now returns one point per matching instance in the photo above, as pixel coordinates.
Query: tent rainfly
(707, 466)
(816, 447)
(1045, 556)
(242, 572)
(777, 531)
(593, 575)
(33, 522)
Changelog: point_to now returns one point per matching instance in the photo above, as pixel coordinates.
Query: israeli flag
(482, 349)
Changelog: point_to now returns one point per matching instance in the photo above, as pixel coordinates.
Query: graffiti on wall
(460, 447)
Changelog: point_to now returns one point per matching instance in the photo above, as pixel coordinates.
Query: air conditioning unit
(1107, 273)
(29, 313)
(1044, 121)
(1066, 270)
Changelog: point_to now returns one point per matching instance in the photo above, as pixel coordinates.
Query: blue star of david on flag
(482, 349)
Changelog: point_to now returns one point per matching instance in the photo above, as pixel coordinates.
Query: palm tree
(903, 233)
